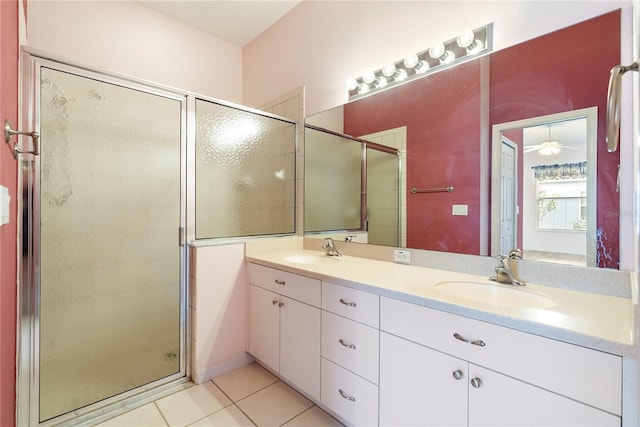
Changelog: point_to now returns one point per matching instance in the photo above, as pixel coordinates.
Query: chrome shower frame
(28, 322)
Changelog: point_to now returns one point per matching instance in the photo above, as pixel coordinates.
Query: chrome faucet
(505, 270)
(329, 248)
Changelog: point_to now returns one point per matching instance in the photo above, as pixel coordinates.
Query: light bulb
(381, 82)
(465, 39)
(448, 57)
(351, 84)
(421, 67)
(475, 47)
(411, 61)
(548, 148)
(436, 51)
(400, 75)
(389, 70)
(363, 88)
(369, 77)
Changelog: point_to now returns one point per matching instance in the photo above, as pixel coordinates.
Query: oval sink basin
(310, 259)
(495, 294)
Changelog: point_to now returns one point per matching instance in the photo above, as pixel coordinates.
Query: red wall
(8, 174)
(442, 115)
(566, 70)
(562, 71)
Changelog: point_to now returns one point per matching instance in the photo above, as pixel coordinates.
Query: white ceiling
(238, 21)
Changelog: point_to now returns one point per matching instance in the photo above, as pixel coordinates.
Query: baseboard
(203, 375)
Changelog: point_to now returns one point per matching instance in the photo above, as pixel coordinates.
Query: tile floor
(248, 396)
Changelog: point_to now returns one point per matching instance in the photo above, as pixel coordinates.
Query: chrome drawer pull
(351, 346)
(280, 282)
(346, 396)
(479, 343)
(350, 304)
(476, 383)
(457, 374)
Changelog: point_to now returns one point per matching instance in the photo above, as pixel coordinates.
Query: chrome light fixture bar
(437, 58)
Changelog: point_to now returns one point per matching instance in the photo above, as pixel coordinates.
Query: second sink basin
(310, 259)
(495, 294)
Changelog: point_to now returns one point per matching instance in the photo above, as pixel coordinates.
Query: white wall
(568, 242)
(320, 44)
(128, 38)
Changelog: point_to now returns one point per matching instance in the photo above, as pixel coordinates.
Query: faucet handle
(515, 254)
(501, 259)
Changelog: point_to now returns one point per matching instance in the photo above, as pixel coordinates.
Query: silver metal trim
(8, 133)
(479, 343)
(346, 396)
(448, 189)
(345, 344)
(613, 104)
(350, 304)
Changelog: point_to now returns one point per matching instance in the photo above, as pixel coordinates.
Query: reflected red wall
(442, 115)
(562, 71)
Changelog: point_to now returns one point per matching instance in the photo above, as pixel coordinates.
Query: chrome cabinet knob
(457, 374)
(274, 302)
(476, 383)
(280, 304)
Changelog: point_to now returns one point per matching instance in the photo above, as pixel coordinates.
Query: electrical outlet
(402, 256)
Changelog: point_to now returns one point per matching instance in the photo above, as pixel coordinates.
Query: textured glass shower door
(109, 204)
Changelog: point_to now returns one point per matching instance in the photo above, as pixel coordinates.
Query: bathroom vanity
(379, 343)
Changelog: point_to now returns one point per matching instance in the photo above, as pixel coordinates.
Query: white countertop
(596, 321)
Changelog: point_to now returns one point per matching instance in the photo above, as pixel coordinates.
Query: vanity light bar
(438, 57)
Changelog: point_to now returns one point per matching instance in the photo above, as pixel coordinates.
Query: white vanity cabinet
(438, 368)
(350, 345)
(284, 325)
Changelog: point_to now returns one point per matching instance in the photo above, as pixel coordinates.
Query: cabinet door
(497, 400)
(418, 387)
(264, 326)
(300, 345)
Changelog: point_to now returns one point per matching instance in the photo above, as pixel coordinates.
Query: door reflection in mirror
(546, 187)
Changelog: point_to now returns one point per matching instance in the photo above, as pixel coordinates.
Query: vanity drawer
(292, 285)
(589, 376)
(351, 345)
(348, 395)
(361, 306)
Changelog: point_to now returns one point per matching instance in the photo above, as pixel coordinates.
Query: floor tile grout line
(214, 412)
(296, 416)
(155, 403)
(250, 394)
(246, 415)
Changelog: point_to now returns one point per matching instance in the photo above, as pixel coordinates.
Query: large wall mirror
(547, 92)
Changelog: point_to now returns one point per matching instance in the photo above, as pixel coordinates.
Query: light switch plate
(460, 210)
(5, 201)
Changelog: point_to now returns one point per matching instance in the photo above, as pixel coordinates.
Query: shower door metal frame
(29, 249)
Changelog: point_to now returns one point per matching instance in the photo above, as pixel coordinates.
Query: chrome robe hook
(8, 133)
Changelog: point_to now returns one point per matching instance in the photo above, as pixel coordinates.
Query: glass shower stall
(108, 207)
